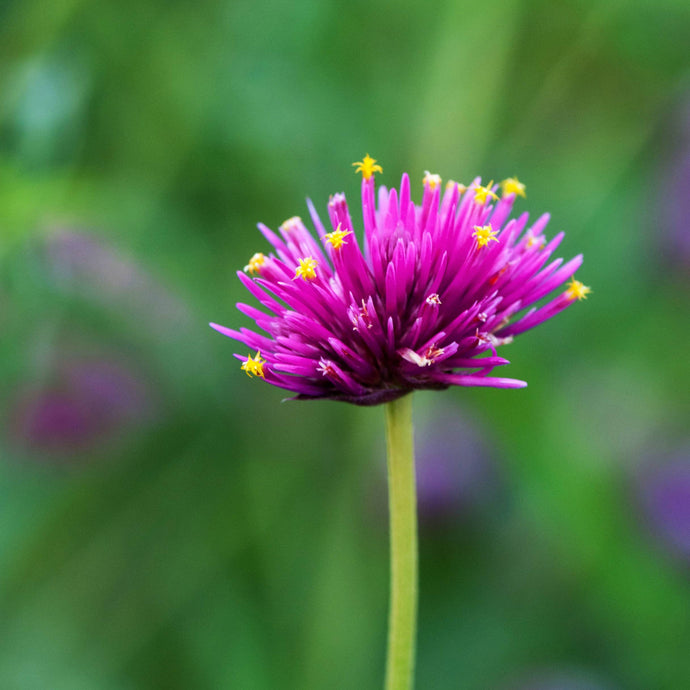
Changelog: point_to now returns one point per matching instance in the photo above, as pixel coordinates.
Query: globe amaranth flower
(435, 290)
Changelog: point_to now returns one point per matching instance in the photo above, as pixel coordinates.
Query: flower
(436, 289)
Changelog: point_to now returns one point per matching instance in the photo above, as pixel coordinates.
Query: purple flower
(84, 403)
(436, 289)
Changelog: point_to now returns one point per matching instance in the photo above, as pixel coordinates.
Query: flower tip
(482, 193)
(431, 180)
(484, 234)
(337, 238)
(508, 383)
(254, 366)
(451, 184)
(367, 166)
(512, 185)
(577, 290)
(227, 332)
(306, 269)
(255, 263)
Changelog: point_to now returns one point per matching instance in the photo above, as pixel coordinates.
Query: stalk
(402, 505)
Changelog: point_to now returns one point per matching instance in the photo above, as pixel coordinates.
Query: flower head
(426, 301)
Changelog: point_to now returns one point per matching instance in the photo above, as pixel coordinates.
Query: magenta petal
(469, 380)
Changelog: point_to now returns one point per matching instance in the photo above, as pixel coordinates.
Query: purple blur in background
(676, 194)
(83, 403)
(665, 498)
(84, 263)
(455, 472)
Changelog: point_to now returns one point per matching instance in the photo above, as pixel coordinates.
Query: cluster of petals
(424, 302)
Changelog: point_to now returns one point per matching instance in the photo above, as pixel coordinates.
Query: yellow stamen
(255, 263)
(484, 234)
(291, 224)
(306, 269)
(254, 366)
(367, 166)
(337, 237)
(480, 193)
(513, 186)
(532, 240)
(461, 187)
(431, 180)
(576, 290)
(433, 300)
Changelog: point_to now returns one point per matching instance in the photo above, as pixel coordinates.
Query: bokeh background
(166, 522)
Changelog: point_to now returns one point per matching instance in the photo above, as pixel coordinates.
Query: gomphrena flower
(425, 302)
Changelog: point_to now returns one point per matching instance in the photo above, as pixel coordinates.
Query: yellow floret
(461, 187)
(484, 234)
(367, 166)
(254, 366)
(337, 237)
(431, 180)
(306, 269)
(481, 193)
(255, 263)
(513, 186)
(576, 290)
(291, 224)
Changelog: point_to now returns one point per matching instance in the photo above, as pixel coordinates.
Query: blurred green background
(166, 522)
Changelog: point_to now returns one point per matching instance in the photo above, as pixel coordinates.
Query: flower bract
(421, 297)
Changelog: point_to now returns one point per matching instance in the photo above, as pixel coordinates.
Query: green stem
(402, 497)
